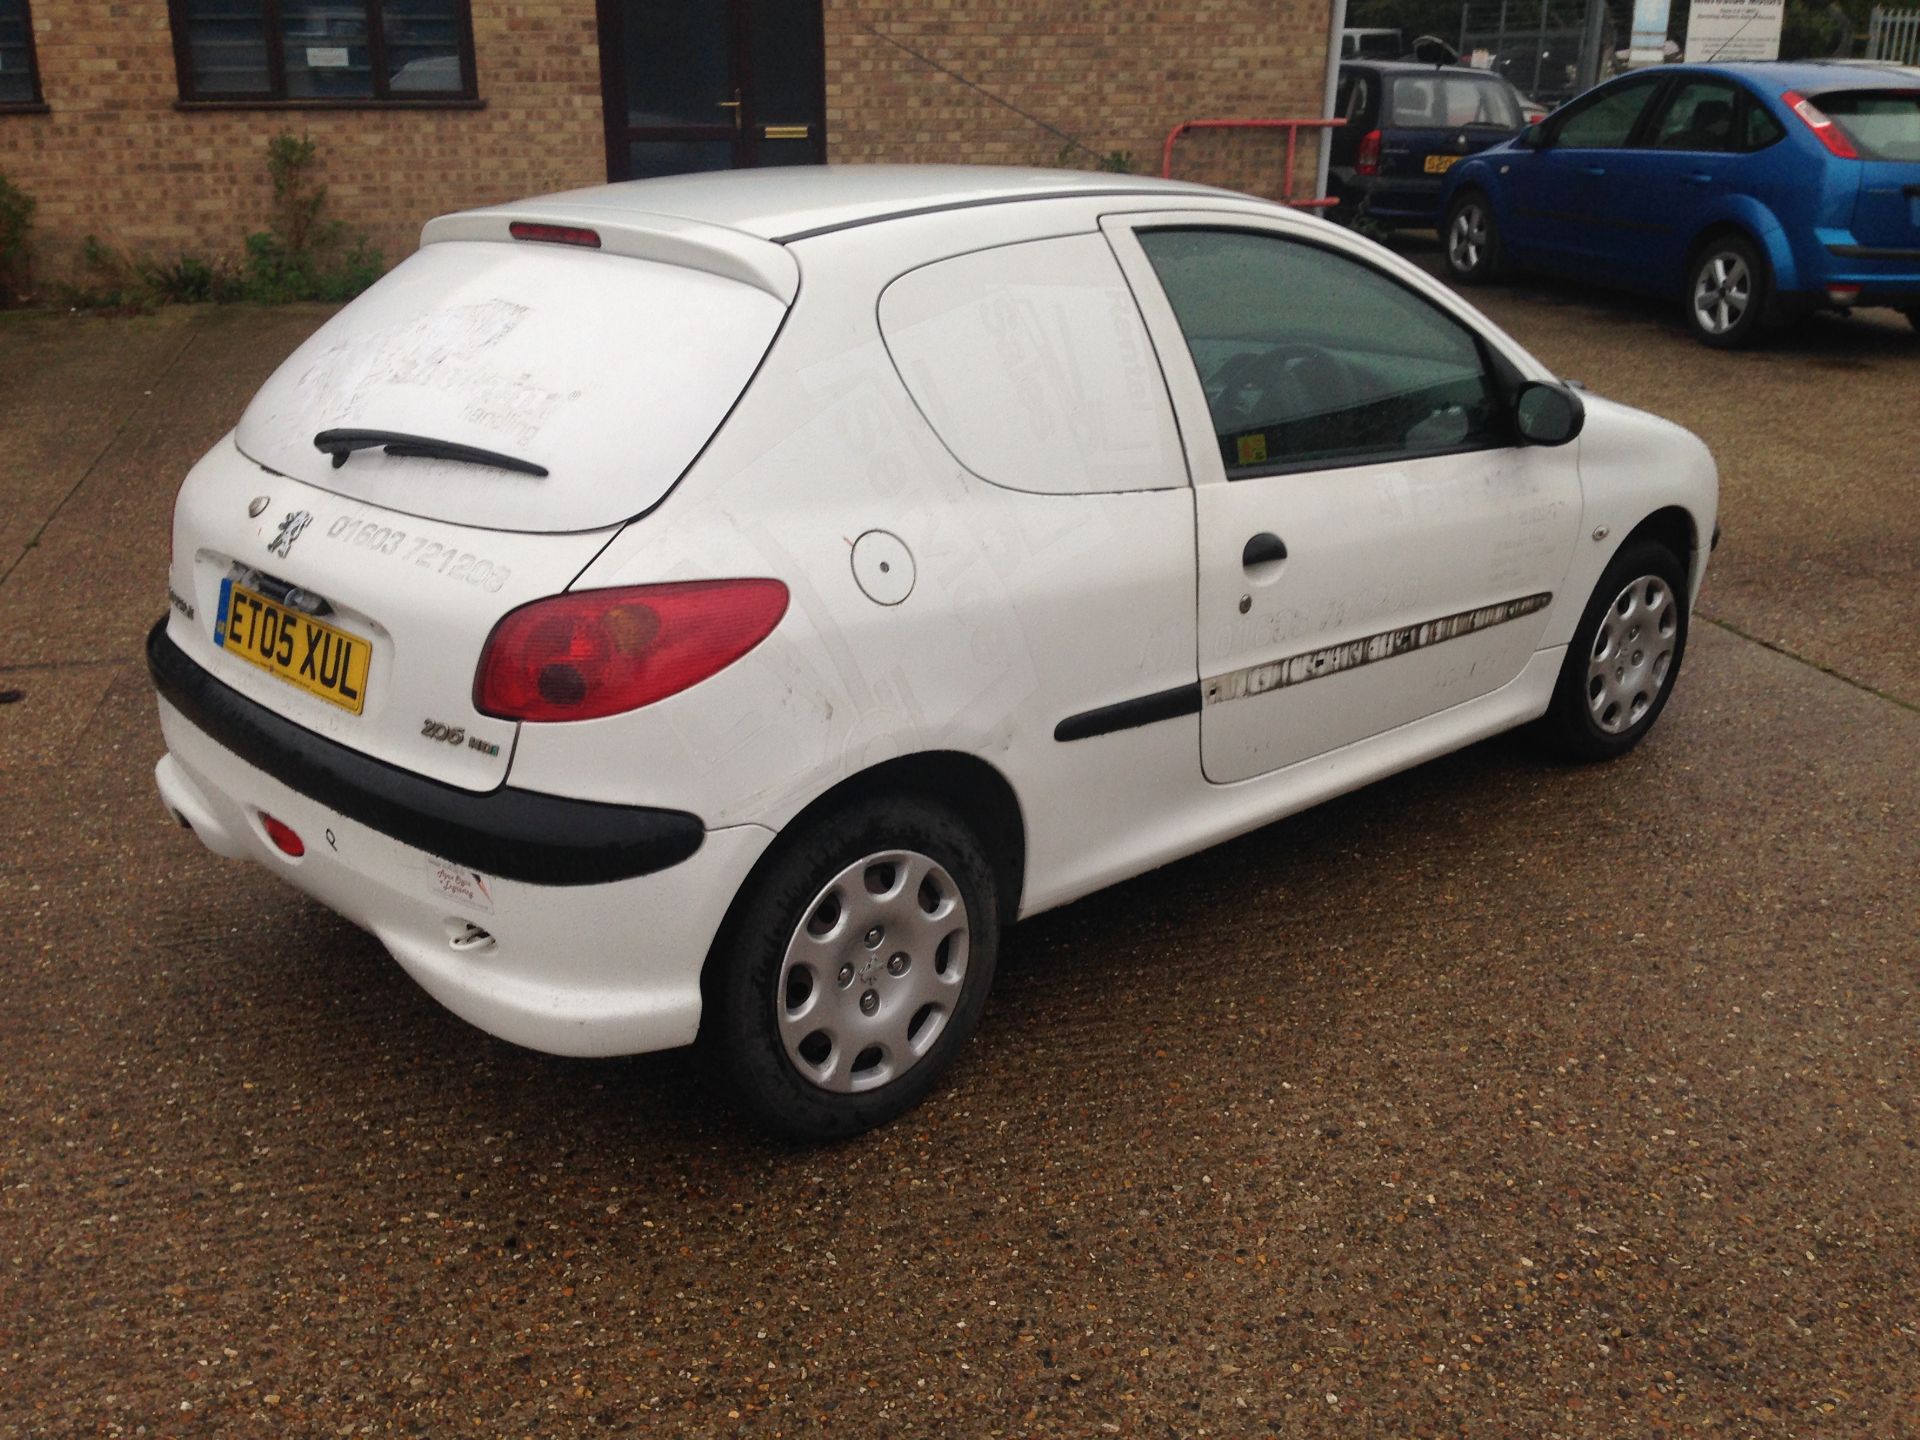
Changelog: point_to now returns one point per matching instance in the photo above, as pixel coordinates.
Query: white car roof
(790, 202)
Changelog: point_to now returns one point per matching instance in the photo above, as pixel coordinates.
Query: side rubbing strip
(1167, 705)
(1318, 664)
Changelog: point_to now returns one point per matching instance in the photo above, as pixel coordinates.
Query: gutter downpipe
(1336, 22)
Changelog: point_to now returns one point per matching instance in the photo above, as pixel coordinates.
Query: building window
(19, 76)
(323, 52)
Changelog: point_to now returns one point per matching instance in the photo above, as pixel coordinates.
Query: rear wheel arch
(977, 793)
(1719, 230)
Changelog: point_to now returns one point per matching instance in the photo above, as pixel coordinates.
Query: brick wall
(1108, 75)
(115, 158)
(1043, 83)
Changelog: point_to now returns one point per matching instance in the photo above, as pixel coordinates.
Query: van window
(1033, 366)
(1442, 100)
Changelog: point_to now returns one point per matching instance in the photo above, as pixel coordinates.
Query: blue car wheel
(1472, 239)
(1727, 293)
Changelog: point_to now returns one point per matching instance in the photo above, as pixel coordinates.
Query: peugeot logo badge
(256, 505)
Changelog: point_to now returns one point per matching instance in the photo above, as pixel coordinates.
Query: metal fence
(1550, 49)
(1894, 35)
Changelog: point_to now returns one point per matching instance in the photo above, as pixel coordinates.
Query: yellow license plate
(1440, 164)
(321, 659)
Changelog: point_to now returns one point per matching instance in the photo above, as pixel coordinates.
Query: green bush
(301, 256)
(16, 225)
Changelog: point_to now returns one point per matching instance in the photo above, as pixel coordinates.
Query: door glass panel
(677, 65)
(1313, 360)
(1606, 121)
(1699, 117)
(648, 158)
(783, 51)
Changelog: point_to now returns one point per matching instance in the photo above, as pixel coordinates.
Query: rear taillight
(1368, 160)
(555, 234)
(1534, 117)
(1830, 134)
(600, 652)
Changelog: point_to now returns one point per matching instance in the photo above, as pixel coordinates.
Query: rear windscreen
(1441, 100)
(1883, 124)
(607, 372)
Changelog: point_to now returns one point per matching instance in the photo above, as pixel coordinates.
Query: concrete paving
(1501, 1098)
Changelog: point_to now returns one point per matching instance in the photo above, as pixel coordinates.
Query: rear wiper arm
(342, 443)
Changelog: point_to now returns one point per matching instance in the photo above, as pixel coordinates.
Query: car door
(1658, 193)
(1373, 545)
(1557, 193)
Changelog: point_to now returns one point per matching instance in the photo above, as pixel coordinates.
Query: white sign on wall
(1731, 30)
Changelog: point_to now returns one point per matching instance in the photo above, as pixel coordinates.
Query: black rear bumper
(514, 834)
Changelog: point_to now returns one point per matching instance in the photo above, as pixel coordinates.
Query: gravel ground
(1498, 1099)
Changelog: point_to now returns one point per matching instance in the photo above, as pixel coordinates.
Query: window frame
(276, 98)
(36, 104)
(1502, 376)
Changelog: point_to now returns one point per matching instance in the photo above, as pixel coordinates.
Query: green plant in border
(189, 280)
(301, 255)
(16, 226)
(1073, 156)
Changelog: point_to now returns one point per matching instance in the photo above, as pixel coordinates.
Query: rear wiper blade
(342, 443)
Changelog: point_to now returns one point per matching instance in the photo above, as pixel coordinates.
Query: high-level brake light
(555, 234)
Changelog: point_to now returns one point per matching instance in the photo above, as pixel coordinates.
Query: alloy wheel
(1467, 239)
(1722, 291)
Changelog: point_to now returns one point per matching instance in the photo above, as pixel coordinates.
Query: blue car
(1752, 193)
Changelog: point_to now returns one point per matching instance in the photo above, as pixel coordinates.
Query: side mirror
(1548, 413)
(1534, 137)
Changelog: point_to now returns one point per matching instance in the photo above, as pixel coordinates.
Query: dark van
(1406, 125)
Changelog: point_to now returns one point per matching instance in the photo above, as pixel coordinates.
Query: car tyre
(1472, 239)
(1624, 657)
(1727, 292)
(854, 968)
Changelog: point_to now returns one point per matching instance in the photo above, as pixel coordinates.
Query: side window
(1699, 117)
(1606, 121)
(1354, 96)
(1759, 128)
(19, 79)
(1033, 366)
(1312, 360)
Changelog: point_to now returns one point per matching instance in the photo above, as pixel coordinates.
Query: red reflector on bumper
(283, 837)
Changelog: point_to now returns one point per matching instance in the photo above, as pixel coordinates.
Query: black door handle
(1263, 549)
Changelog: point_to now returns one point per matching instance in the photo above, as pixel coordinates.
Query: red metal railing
(1293, 129)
